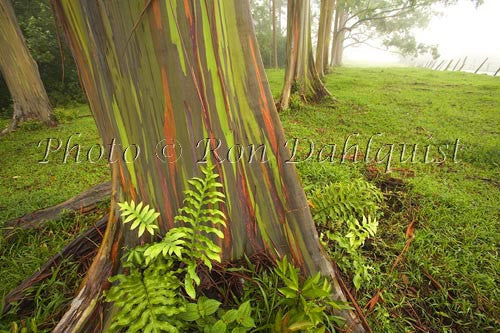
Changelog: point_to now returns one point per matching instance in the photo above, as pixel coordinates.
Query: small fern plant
(191, 242)
(149, 298)
(346, 214)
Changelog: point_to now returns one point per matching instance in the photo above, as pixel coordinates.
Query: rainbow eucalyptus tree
(324, 30)
(275, 34)
(301, 76)
(338, 35)
(189, 73)
(20, 72)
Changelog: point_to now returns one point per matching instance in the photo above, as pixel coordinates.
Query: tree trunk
(321, 36)
(300, 73)
(275, 36)
(280, 4)
(189, 73)
(338, 36)
(20, 72)
(329, 22)
(324, 30)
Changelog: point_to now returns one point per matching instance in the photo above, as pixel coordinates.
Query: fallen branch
(84, 202)
(351, 298)
(79, 249)
(410, 236)
(435, 283)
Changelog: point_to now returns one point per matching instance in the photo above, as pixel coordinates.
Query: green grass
(448, 278)
(25, 186)
(455, 205)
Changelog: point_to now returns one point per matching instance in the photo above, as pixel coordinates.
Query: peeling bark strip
(30, 101)
(84, 202)
(183, 71)
(300, 74)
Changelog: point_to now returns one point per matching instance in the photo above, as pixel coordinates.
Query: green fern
(339, 202)
(191, 242)
(346, 213)
(142, 217)
(148, 300)
(149, 297)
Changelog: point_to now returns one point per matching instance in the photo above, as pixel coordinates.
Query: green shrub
(285, 301)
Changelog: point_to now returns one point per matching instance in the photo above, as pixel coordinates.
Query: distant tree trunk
(301, 76)
(338, 36)
(20, 72)
(326, 48)
(185, 73)
(280, 5)
(275, 36)
(334, 36)
(324, 30)
(321, 36)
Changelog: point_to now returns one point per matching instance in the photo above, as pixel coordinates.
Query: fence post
(463, 64)
(480, 66)
(498, 70)
(449, 64)
(456, 65)
(438, 66)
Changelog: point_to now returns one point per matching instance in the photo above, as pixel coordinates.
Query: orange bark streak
(157, 14)
(187, 10)
(169, 129)
(266, 114)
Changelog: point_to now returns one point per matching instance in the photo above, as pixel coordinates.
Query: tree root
(79, 249)
(86, 312)
(84, 202)
(13, 125)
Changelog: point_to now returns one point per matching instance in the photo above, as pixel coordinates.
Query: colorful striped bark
(20, 72)
(301, 76)
(189, 72)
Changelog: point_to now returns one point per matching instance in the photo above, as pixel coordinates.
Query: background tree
(275, 35)
(301, 76)
(324, 33)
(328, 39)
(55, 63)
(263, 24)
(339, 31)
(180, 72)
(391, 22)
(20, 72)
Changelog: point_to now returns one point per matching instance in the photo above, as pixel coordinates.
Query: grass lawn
(447, 271)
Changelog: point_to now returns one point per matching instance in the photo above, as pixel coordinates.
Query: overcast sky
(462, 31)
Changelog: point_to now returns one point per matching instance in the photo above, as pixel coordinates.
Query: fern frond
(174, 242)
(147, 301)
(142, 217)
(200, 212)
